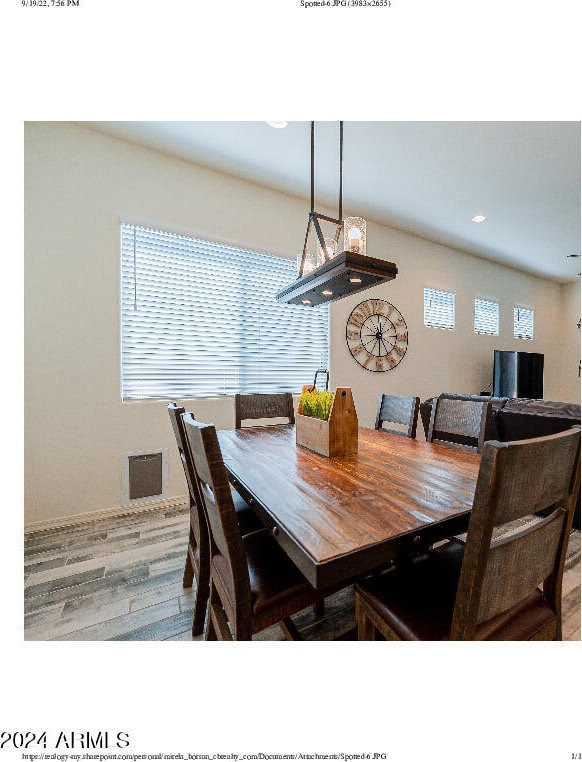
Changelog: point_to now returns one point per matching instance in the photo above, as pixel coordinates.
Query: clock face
(376, 335)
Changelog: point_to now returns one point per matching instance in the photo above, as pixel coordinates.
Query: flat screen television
(518, 374)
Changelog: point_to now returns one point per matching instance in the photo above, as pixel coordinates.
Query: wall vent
(144, 476)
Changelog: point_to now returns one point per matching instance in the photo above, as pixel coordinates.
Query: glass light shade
(355, 235)
(329, 253)
(312, 260)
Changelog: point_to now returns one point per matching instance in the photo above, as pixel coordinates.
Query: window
(439, 308)
(523, 323)
(200, 319)
(486, 317)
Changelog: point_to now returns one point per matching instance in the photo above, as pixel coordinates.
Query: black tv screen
(518, 374)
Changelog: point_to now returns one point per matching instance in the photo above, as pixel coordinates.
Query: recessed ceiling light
(478, 218)
(355, 280)
(278, 125)
(327, 292)
(305, 301)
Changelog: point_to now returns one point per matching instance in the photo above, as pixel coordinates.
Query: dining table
(341, 517)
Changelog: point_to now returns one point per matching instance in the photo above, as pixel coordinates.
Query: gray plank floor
(121, 579)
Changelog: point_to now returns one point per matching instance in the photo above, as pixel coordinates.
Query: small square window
(523, 327)
(486, 317)
(439, 308)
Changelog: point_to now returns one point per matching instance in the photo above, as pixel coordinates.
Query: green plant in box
(317, 404)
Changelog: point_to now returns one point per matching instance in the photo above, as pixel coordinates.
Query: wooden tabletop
(340, 517)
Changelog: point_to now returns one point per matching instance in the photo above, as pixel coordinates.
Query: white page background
(259, 60)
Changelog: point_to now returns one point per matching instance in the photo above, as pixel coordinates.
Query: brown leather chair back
(401, 410)
(518, 479)
(257, 406)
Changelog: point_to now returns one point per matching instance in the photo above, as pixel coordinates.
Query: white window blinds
(200, 319)
(439, 308)
(523, 323)
(486, 317)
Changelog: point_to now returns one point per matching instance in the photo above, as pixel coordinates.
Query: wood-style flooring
(121, 579)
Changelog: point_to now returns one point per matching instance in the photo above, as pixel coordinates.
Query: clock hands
(388, 349)
(377, 335)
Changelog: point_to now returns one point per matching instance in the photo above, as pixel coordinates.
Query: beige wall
(79, 185)
(570, 344)
(461, 361)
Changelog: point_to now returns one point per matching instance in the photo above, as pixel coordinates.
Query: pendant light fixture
(334, 264)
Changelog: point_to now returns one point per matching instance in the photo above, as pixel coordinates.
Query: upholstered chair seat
(505, 581)
(417, 601)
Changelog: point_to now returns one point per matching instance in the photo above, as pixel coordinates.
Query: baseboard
(118, 511)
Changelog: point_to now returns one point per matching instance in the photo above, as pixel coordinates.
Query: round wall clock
(376, 335)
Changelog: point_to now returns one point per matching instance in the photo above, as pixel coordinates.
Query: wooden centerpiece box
(338, 435)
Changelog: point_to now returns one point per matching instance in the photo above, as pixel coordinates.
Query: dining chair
(198, 552)
(254, 407)
(459, 422)
(258, 406)
(400, 410)
(497, 585)
(253, 584)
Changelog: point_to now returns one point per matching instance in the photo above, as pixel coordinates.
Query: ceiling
(427, 178)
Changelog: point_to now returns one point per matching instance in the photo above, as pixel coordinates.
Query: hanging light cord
(341, 164)
(312, 167)
(341, 161)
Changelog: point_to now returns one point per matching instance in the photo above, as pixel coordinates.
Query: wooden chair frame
(230, 614)
(258, 406)
(198, 552)
(469, 427)
(396, 409)
(497, 574)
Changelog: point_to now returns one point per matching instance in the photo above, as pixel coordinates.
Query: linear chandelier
(326, 274)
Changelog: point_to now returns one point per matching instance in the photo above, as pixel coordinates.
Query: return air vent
(144, 476)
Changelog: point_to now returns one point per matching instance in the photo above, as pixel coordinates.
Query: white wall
(80, 184)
